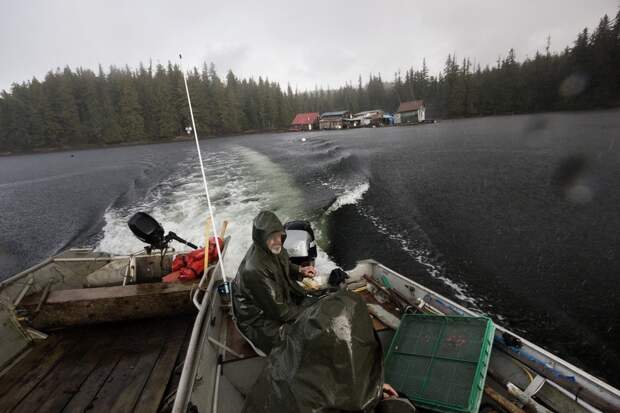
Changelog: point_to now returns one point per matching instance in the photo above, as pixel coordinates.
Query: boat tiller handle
(172, 235)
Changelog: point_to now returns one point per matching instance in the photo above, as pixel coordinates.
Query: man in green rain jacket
(329, 360)
(265, 297)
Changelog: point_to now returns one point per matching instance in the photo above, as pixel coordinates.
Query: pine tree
(615, 57)
(217, 96)
(69, 112)
(17, 120)
(362, 95)
(130, 117)
(146, 98)
(4, 134)
(62, 121)
(603, 79)
(178, 99)
(376, 93)
(111, 131)
(52, 117)
(164, 111)
(199, 102)
(89, 107)
(232, 113)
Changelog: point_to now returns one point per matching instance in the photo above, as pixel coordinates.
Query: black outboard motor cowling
(148, 230)
(300, 243)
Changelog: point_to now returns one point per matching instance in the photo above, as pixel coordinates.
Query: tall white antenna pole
(204, 177)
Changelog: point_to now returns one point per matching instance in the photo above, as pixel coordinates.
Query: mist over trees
(79, 107)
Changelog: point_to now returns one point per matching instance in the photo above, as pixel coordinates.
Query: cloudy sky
(323, 43)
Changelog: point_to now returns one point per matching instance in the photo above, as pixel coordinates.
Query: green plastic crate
(440, 362)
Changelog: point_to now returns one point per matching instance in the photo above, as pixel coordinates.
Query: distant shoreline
(255, 132)
(55, 149)
(84, 147)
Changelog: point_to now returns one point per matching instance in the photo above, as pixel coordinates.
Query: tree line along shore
(81, 108)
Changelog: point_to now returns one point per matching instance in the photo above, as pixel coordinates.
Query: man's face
(274, 242)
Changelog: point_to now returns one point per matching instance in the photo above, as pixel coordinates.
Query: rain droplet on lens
(535, 131)
(569, 180)
(579, 194)
(573, 85)
(568, 170)
(536, 123)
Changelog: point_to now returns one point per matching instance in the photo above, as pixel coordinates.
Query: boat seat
(72, 307)
(148, 269)
(113, 273)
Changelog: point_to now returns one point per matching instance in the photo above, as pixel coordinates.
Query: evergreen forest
(81, 108)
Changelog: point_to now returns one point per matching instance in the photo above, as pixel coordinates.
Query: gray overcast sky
(324, 43)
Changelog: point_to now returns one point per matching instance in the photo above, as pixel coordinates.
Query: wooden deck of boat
(121, 367)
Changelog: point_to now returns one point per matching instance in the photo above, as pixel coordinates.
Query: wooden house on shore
(370, 118)
(334, 120)
(305, 122)
(410, 112)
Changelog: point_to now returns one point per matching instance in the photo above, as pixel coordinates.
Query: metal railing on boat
(198, 336)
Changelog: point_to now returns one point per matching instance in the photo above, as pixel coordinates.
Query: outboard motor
(148, 230)
(300, 243)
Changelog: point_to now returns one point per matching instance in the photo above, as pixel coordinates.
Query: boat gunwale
(605, 392)
(59, 258)
(195, 349)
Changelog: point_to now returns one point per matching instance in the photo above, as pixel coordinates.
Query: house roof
(369, 113)
(305, 118)
(339, 113)
(410, 106)
(354, 119)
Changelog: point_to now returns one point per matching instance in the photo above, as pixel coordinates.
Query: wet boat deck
(120, 367)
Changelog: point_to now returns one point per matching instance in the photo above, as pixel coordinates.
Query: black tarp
(329, 361)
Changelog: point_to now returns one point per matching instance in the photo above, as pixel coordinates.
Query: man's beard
(276, 250)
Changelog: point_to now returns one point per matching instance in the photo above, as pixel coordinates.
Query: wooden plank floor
(120, 367)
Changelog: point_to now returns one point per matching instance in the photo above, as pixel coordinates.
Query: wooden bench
(64, 308)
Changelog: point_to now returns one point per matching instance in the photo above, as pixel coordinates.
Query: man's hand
(389, 392)
(308, 271)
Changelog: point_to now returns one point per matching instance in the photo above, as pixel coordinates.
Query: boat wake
(347, 177)
(349, 197)
(423, 257)
(242, 182)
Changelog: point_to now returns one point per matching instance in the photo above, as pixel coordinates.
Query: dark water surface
(49, 202)
(516, 216)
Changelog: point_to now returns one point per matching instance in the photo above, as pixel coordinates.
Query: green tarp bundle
(329, 361)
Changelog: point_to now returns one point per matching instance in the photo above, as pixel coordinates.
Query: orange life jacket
(190, 266)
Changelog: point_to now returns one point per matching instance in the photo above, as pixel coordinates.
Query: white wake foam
(242, 182)
(349, 197)
(422, 256)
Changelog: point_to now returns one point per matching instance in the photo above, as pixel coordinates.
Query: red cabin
(305, 122)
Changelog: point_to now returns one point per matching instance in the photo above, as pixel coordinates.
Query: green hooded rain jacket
(265, 297)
